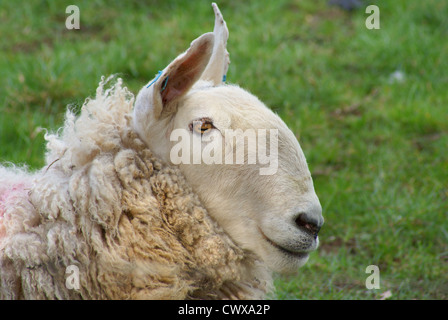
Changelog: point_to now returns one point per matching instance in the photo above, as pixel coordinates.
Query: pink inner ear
(186, 74)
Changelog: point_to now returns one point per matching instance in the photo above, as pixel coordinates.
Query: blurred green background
(369, 108)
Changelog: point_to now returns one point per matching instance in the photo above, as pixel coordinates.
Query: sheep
(111, 208)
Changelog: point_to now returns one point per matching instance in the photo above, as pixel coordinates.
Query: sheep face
(187, 110)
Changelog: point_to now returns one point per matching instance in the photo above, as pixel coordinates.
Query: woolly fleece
(129, 222)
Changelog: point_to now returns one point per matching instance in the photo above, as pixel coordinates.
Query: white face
(275, 215)
(260, 212)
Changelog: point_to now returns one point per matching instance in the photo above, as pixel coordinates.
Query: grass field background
(369, 107)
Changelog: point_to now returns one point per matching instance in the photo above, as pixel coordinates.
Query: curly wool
(130, 223)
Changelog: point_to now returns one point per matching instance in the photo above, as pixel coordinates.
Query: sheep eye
(202, 126)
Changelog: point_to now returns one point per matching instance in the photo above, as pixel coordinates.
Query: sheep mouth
(296, 254)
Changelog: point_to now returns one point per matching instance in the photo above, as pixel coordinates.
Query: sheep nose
(309, 223)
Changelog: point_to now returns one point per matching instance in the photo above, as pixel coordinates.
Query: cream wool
(129, 222)
(111, 202)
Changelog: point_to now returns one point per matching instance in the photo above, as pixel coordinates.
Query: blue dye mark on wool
(224, 78)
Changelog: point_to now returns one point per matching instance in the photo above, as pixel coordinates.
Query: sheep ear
(180, 75)
(216, 70)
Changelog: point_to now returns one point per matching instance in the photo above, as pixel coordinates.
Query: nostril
(307, 223)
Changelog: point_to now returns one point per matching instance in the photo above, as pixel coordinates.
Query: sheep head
(274, 213)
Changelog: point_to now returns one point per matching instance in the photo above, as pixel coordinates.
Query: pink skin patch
(6, 197)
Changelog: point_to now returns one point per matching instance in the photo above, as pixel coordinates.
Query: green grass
(377, 148)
